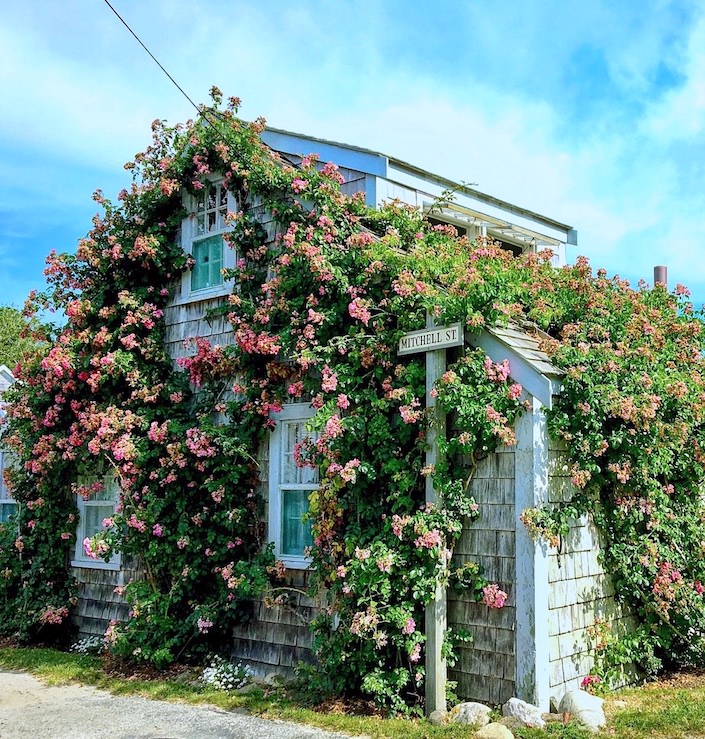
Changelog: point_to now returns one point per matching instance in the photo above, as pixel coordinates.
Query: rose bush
(316, 315)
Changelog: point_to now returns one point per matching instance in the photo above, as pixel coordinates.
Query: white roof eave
(531, 374)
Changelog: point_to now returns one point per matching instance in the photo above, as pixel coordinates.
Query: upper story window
(290, 486)
(202, 237)
(207, 242)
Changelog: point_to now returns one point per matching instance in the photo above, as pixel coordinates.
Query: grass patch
(53, 667)
(672, 708)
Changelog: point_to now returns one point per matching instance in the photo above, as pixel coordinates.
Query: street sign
(430, 339)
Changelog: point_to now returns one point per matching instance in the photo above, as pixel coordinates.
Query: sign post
(433, 341)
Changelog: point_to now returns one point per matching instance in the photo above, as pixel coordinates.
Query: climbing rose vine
(323, 291)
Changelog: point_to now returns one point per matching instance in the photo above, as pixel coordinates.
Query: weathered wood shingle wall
(486, 668)
(99, 598)
(278, 637)
(581, 592)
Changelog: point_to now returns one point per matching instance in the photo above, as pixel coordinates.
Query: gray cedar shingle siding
(485, 670)
(98, 602)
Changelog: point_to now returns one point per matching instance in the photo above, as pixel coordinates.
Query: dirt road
(31, 710)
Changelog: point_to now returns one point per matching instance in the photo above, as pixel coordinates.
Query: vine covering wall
(316, 316)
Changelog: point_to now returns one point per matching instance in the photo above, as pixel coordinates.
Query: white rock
(494, 731)
(585, 708)
(475, 714)
(522, 711)
(438, 718)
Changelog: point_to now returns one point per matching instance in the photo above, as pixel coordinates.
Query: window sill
(186, 295)
(295, 563)
(96, 564)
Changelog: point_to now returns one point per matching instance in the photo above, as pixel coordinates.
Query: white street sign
(430, 339)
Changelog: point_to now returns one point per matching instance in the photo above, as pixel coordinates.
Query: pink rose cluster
(493, 597)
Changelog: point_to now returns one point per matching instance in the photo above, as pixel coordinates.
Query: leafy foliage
(17, 336)
(316, 316)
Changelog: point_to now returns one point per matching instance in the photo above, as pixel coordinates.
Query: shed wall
(486, 670)
(581, 592)
(278, 636)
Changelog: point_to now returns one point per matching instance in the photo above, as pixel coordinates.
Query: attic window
(211, 209)
(207, 247)
(208, 261)
(202, 236)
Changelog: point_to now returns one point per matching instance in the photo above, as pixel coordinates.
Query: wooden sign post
(434, 340)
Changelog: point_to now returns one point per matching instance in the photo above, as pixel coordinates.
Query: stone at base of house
(274, 680)
(474, 714)
(585, 708)
(438, 718)
(522, 711)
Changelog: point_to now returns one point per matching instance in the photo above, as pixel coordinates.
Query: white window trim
(290, 412)
(188, 235)
(80, 558)
(479, 229)
(5, 497)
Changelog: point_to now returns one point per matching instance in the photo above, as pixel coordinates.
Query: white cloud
(680, 113)
(69, 110)
(343, 71)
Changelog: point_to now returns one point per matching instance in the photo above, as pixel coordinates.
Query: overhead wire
(200, 109)
(156, 61)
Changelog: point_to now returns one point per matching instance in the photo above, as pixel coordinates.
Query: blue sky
(592, 113)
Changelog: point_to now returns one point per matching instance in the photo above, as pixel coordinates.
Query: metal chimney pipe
(661, 276)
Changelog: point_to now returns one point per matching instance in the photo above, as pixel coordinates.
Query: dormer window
(202, 237)
(462, 230)
(475, 225)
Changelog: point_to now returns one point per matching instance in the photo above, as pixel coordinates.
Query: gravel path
(31, 709)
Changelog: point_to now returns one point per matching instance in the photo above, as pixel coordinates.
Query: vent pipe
(661, 276)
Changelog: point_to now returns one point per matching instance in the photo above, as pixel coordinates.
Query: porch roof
(529, 365)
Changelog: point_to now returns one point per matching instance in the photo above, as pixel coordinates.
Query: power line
(200, 110)
(156, 61)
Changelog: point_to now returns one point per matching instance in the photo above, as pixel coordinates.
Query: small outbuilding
(535, 647)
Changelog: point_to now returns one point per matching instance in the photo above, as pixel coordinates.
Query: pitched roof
(529, 364)
(526, 225)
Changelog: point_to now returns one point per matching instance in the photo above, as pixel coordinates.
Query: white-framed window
(91, 514)
(202, 237)
(473, 228)
(8, 505)
(290, 486)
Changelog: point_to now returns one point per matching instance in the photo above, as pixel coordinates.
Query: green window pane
(93, 518)
(208, 261)
(7, 510)
(296, 534)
